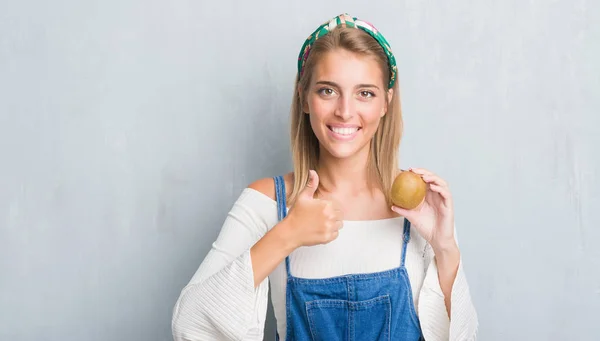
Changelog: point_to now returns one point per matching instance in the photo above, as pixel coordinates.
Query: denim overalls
(358, 307)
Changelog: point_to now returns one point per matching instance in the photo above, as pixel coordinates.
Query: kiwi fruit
(408, 190)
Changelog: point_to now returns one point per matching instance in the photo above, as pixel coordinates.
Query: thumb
(312, 185)
(408, 214)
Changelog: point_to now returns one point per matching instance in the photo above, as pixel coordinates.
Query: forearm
(448, 260)
(271, 250)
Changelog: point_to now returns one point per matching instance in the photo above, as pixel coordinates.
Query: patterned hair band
(345, 20)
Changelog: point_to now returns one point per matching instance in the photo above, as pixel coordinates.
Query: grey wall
(128, 128)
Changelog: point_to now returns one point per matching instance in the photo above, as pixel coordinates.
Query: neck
(348, 175)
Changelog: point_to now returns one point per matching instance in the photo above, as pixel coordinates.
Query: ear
(304, 103)
(390, 95)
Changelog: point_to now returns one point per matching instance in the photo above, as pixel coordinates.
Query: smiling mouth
(344, 131)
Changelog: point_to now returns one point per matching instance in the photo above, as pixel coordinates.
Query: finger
(420, 171)
(339, 215)
(408, 214)
(339, 225)
(335, 234)
(429, 176)
(444, 193)
(434, 179)
(312, 185)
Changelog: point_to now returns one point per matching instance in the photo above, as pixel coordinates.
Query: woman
(343, 263)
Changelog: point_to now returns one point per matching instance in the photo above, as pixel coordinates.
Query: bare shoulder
(266, 186)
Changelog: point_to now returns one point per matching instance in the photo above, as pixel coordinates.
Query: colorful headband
(345, 20)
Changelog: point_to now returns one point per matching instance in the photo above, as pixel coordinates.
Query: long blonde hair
(383, 155)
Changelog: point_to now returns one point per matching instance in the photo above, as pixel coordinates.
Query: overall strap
(405, 239)
(280, 196)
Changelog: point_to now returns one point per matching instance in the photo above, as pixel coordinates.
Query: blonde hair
(383, 155)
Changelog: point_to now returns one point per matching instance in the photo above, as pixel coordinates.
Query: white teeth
(344, 131)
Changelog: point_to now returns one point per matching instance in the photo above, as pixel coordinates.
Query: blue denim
(359, 307)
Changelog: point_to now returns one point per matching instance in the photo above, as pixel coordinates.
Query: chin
(341, 152)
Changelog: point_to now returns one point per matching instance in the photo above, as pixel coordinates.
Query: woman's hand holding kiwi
(425, 200)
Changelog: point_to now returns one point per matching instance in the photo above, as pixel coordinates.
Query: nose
(345, 108)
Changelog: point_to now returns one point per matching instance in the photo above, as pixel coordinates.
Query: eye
(367, 94)
(326, 91)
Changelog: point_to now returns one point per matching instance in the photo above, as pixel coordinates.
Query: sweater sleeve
(220, 301)
(436, 326)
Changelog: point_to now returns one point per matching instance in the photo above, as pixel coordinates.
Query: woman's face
(345, 101)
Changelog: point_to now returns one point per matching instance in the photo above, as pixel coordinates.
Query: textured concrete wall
(128, 128)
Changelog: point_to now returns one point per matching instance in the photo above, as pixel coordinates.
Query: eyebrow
(358, 86)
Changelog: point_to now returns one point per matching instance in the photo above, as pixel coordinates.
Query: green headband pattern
(345, 20)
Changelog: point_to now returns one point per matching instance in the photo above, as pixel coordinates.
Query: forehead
(348, 68)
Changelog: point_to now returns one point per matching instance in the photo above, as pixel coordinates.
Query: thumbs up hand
(313, 221)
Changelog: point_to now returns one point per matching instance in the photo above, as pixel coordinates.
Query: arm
(448, 259)
(445, 308)
(270, 250)
(310, 222)
(223, 300)
(227, 297)
(443, 288)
